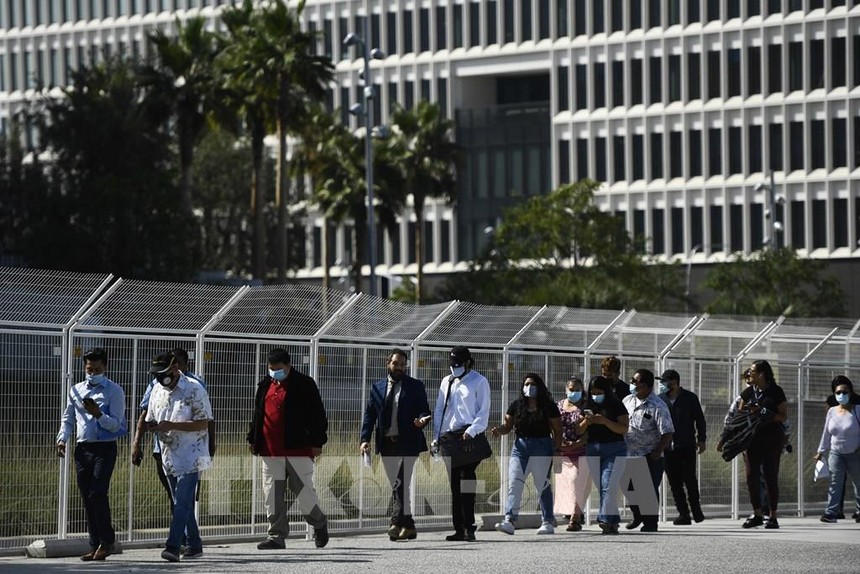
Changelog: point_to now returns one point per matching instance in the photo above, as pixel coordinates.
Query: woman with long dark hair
(536, 420)
(765, 399)
(841, 439)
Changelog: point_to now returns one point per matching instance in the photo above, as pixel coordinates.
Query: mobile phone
(89, 400)
(588, 412)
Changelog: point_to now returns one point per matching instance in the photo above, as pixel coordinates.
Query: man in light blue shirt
(95, 410)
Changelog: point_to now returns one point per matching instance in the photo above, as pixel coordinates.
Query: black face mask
(165, 379)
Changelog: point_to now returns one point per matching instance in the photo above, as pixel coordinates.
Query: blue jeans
(607, 452)
(183, 522)
(840, 465)
(530, 456)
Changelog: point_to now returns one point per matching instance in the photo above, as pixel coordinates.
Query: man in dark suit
(399, 410)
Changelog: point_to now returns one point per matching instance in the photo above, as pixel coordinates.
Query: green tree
(769, 282)
(273, 56)
(183, 80)
(560, 249)
(111, 204)
(422, 147)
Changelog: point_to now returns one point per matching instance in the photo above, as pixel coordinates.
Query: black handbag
(461, 452)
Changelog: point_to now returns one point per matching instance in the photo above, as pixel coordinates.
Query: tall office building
(714, 124)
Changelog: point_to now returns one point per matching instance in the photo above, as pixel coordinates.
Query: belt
(390, 438)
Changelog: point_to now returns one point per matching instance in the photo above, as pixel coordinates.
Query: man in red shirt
(288, 430)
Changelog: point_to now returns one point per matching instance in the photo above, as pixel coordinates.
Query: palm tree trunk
(359, 234)
(257, 199)
(281, 199)
(419, 248)
(324, 248)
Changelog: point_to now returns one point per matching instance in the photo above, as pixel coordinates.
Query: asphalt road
(801, 545)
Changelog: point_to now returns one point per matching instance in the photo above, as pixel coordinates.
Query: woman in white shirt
(841, 437)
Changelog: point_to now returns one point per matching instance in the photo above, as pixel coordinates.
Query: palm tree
(274, 57)
(183, 81)
(422, 147)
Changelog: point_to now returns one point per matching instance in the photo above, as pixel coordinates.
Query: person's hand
(421, 422)
(316, 451)
(136, 454)
(467, 436)
(655, 455)
(596, 419)
(720, 446)
(212, 449)
(251, 448)
(92, 408)
(61, 449)
(700, 447)
(495, 432)
(364, 447)
(817, 457)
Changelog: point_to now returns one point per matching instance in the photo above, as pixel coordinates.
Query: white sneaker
(505, 526)
(546, 528)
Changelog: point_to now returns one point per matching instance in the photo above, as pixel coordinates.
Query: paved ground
(802, 545)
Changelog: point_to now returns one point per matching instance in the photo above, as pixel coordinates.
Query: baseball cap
(458, 356)
(161, 363)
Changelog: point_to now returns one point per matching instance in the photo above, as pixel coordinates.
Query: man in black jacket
(288, 430)
(688, 441)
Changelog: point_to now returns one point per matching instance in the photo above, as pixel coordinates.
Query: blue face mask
(278, 375)
(598, 398)
(663, 389)
(632, 388)
(95, 379)
(574, 396)
(843, 398)
(458, 372)
(530, 391)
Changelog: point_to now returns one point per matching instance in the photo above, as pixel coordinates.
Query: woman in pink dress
(571, 481)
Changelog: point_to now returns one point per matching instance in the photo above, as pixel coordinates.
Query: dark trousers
(163, 478)
(762, 461)
(463, 496)
(681, 472)
(94, 463)
(399, 469)
(655, 468)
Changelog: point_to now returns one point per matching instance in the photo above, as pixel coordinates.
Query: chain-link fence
(48, 318)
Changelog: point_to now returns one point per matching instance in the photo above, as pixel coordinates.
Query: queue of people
(621, 437)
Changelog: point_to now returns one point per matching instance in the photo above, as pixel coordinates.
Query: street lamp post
(366, 108)
(774, 226)
(688, 292)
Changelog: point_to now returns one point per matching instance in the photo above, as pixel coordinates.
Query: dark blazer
(307, 424)
(412, 404)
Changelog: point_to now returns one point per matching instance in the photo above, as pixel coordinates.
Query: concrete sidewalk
(716, 546)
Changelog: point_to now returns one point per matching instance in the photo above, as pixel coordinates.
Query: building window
(736, 228)
(509, 21)
(756, 226)
(733, 9)
(735, 150)
(656, 156)
(775, 139)
(716, 217)
(694, 12)
(635, 14)
(445, 240)
(774, 7)
(638, 153)
(635, 82)
(617, 15)
(655, 79)
(526, 20)
(561, 18)
(774, 68)
(599, 85)
(816, 65)
(840, 223)
(441, 29)
(563, 161)
(715, 152)
(819, 231)
(754, 149)
(442, 94)
(618, 158)
(579, 22)
(714, 74)
(581, 93)
(713, 10)
(817, 147)
(753, 8)
(543, 19)
(654, 14)
(696, 227)
(474, 24)
(675, 78)
(856, 61)
(425, 90)
(658, 232)
(600, 158)
(677, 230)
(617, 83)
(492, 22)
(837, 62)
(798, 224)
(676, 154)
(795, 66)
(392, 97)
(639, 230)
(563, 88)
(754, 70)
(734, 72)
(598, 19)
(581, 159)
(695, 153)
(795, 138)
(839, 127)
(408, 35)
(694, 75)
(424, 30)
(674, 10)
(457, 26)
(409, 94)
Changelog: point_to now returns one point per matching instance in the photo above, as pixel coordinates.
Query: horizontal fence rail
(48, 318)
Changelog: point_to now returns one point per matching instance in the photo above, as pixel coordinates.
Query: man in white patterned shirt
(179, 411)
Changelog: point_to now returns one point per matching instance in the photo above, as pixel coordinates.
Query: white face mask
(458, 372)
(530, 391)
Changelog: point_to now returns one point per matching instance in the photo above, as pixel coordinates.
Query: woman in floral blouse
(571, 485)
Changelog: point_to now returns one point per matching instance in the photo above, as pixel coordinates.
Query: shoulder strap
(445, 408)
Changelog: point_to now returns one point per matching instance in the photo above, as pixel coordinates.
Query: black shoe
(271, 544)
(321, 536)
(470, 535)
(456, 537)
(698, 516)
(649, 528)
(393, 532)
(634, 524)
(840, 515)
(771, 523)
(828, 519)
(682, 520)
(753, 521)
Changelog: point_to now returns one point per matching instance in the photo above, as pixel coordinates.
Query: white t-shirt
(182, 452)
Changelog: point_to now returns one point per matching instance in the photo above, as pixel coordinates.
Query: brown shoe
(103, 552)
(89, 556)
(407, 534)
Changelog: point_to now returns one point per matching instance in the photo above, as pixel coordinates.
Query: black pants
(94, 463)
(463, 496)
(762, 461)
(399, 469)
(163, 478)
(681, 472)
(655, 469)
